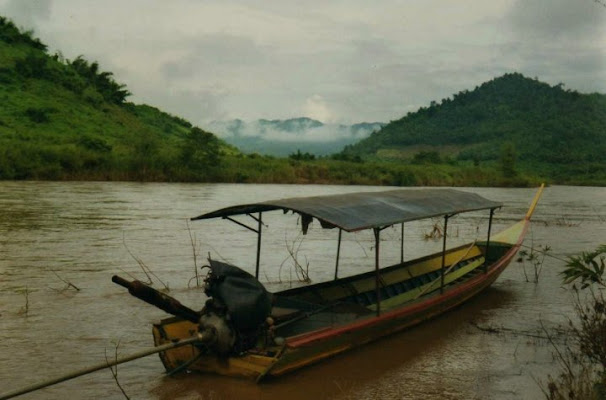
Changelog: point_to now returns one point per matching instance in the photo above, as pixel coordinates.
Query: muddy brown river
(81, 233)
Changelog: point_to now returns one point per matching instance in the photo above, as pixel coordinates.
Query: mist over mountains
(284, 137)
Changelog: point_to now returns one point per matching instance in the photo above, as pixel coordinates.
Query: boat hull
(313, 347)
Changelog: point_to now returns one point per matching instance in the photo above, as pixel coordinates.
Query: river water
(53, 234)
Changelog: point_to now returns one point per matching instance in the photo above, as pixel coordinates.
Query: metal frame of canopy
(366, 210)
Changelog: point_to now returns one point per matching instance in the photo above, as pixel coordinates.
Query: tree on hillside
(200, 151)
(301, 156)
(507, 161)
(9, 33)
(102, 81)
(145, 151)
(427, 157)
(33, 65)
(76, 76)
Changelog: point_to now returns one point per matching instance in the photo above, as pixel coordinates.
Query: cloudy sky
(336, 61)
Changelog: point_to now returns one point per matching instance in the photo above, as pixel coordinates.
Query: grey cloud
(374, 50)
(213, 52)
(27, 13)
(559, 41)
(219, 60)
(195, 105)
(323, 134)
(555, 19)
(580, 68)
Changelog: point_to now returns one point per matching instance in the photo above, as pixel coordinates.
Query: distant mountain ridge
(284, 137)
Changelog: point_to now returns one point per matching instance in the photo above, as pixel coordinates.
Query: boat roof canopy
(366, 210)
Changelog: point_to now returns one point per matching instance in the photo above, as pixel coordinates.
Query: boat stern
(252, 364)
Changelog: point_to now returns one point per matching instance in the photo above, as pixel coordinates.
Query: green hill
(557, 133)
(64, 119)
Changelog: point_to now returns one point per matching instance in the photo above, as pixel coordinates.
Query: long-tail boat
(246, 331)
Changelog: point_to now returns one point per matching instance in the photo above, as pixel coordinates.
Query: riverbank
(264, 169)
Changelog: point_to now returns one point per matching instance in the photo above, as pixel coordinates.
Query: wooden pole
(259, 246)
(402, 246)
(443, 253)
(338, 254)
(488, 240)
(377, 277)
(202, 337)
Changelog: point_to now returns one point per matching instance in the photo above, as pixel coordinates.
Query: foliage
(31, 61)
(38, 115)
(301, 156)
(508, 160)
(201, 153)
(584, 368)
(33, 65)
(103, 82)
(427, 157)
(588, 267)
(9, 33)
(592, 331)
(347, 157)
(169, 124)
(536, 257)
(558, 133)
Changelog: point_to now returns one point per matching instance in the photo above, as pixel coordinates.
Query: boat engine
(234, 314)
(236, 311)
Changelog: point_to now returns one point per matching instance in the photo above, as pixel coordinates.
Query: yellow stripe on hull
(396, 301)
(401, 274)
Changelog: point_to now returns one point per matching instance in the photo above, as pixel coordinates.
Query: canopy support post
(377, 232)
(488, 240)
(338, 254)
(443, 254)
(402, 245)
(259, 230)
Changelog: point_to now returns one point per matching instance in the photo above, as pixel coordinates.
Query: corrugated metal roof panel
(365, 210)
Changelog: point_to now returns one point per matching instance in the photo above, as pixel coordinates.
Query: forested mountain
(63, 119)
(284, 137)
(550, 129)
